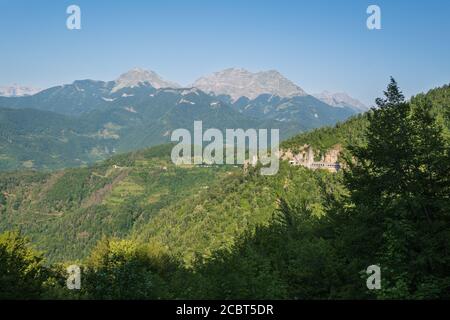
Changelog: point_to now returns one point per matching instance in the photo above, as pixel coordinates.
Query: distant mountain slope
(32, 138)
(307, 110)
(341, 99)
(144, 116)
(73, 99)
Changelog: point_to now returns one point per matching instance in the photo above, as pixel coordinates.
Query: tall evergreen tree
(399, 183)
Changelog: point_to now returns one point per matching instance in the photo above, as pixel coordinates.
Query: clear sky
(317, 44)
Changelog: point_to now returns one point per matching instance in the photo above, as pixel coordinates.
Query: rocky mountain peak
(137, 76)
(238, 82)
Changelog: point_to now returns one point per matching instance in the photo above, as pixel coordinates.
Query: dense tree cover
(290, 258)
(350, 132)
(65, 213)
(122, 269)
(300, 234)
(22, 273)
(2, 199)
(32, 138)
(213, 218)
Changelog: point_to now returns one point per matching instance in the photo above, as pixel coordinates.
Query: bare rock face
(287, 154)
(242, 83)
(139, 76)
(305, 157)
(332, 155)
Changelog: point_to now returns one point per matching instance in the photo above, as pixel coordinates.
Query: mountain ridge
(239, 82)
(340, 99)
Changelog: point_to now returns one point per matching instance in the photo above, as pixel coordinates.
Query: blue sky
(317, 44)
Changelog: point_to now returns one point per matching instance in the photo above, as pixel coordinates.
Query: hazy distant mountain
(71, 99)
(341, 99)
(138, 76)
(238, 83)
(18, 91)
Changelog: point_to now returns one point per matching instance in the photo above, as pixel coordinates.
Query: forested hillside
(352, 131)
(67, 212)
(143, 228)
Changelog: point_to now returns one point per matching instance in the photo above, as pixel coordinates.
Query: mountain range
(86, 121)
(17, 91)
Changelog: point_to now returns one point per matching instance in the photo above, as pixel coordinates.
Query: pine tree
(399, 184)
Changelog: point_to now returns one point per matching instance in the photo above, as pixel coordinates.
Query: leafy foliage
(22, 273)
